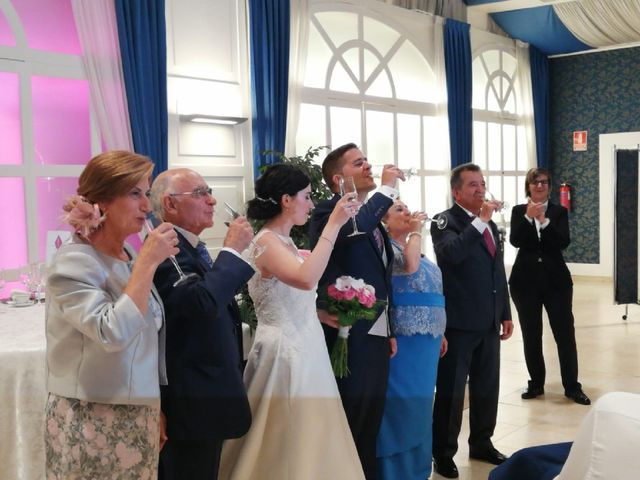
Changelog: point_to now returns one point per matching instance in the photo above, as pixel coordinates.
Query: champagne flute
(440, 221)
(233, 214)
(150, 223)
(408, 172)
(348, 185)
(502, 207)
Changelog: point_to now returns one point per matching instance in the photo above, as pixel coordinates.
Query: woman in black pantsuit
(540, 277)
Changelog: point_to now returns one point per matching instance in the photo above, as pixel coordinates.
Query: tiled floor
(609, 360)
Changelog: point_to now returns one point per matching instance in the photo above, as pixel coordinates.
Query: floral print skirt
(87, 440)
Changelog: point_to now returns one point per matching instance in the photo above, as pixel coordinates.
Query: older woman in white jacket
(104, 328)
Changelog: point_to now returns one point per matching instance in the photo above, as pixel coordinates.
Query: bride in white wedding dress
(299, 430)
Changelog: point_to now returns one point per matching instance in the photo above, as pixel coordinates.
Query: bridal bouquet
(351, 300)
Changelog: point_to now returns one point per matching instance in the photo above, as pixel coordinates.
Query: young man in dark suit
(369, 257)
(470, 254)
(540, 278)
(205, 401)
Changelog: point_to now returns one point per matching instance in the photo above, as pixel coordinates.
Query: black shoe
(445, 466)
(531, 392)
(490, 455)
(578, 396)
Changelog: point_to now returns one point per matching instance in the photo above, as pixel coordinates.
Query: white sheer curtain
(299, 35)
(442, 114)
(600, 23)
(524, 94)
(455, 9)
(98, 33)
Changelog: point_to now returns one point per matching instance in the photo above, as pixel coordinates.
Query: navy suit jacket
(546, 250)
(475, 284)
(357, 256)
(206, 397)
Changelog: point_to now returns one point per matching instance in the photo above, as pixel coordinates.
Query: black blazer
(475, 284)
(205, 398)
(546, 250)
(357, 256)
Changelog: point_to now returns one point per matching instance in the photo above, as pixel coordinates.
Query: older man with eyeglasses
(205, 401)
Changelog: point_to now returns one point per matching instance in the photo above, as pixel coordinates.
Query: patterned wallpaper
(600, 93)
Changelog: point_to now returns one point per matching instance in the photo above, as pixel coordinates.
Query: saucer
(11, 303)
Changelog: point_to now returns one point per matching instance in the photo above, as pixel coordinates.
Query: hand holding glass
(502, 205)
(150, 223)
(233, 214)
(348, 185)
(439, 220)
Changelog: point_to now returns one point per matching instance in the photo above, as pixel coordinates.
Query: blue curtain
(457, 59)
(269, 33)
(142, 35)
(540, 87)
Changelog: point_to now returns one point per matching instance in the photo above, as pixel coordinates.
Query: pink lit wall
(52, 192)
(6, 35)
(13, 253)
(11, 144)
(61, 129)
(49, 25)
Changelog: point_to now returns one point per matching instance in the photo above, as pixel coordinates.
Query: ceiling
(566, 26)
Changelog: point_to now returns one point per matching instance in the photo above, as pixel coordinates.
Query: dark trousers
(475, 355)
(558, 303)
(363, 392)
(190, 460)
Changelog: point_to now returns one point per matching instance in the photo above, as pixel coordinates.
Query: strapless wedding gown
(299, 429)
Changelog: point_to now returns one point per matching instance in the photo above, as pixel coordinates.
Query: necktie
(488, 239)
(379, 241)
(204, 253)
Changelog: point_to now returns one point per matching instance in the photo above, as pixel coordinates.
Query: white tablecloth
(22, 392)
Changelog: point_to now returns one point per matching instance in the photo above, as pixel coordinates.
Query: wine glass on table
(150, 223)
(347, 185)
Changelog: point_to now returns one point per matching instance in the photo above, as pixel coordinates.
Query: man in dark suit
(205, 401)
(368, 256)
(540, 277)
(470, 254)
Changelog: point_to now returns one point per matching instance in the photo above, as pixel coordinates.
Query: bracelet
(411, 234)
(328, 240)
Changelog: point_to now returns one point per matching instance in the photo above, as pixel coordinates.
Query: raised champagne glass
(348, 185)
(150, 223)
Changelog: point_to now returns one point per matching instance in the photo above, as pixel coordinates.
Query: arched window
(498, 130)
(375, 76)
(45, 122)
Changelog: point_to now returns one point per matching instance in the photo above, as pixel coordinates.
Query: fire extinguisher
(565, 195)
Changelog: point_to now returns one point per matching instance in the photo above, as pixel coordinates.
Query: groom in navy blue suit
(369, 257)
(205, 401)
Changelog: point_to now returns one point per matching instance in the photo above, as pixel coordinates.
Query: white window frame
(27, 62)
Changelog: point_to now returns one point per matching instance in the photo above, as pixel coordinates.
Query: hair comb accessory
(265, 200)
(82, 215)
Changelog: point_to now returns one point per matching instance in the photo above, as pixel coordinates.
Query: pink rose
(334, 293)
(366, 299)
(349, 294)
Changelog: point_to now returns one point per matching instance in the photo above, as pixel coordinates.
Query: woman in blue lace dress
(419, 320)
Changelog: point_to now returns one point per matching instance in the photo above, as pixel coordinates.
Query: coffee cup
(20, 297)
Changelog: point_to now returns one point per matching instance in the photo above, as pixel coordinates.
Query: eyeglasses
(197, 192)
(540, 182)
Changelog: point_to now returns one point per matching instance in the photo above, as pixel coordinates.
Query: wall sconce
(213, 119)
